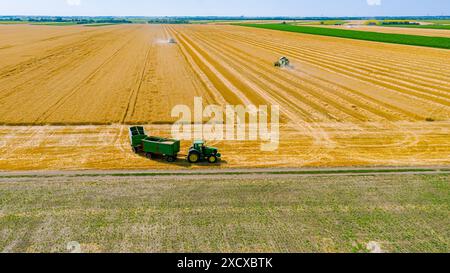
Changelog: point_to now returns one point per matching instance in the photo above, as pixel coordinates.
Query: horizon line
(221, 16)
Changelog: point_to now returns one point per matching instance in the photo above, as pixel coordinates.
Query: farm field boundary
(236, 172)
(423, 26)
(415, 40)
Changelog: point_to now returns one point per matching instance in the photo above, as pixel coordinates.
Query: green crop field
(254, 213)
(437, 42)
(332, 22)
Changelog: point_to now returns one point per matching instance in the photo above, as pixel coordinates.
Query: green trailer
(151, 146)
(137, 134)
(169, 148)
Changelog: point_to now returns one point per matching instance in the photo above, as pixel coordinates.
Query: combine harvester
(169, 148)
(283, 62)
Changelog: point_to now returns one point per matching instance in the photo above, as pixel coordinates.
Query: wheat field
(67, 95)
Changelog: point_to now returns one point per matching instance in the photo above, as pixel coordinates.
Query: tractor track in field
(107, 147)
(286, 82)
(31, 134)
(132, 100)
(358, 54)
(380, 70)
(248, 86)
(319, 55)
(233, 77)
(284, 91)
(84, 44)
(349, 100)
(213, 92)
(91, 33)
(342, 104)
(52, 109)
(215, 73)
(85, 49)
(410, 139)
(345, 70)
(403, 112)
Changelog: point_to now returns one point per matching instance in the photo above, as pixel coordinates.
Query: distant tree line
(187, 19)
(60, 19)
(81, 21)
(168, 21)
(399, 23)
(106, 21)
(391, 23)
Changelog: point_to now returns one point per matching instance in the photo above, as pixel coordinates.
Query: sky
(298, 8)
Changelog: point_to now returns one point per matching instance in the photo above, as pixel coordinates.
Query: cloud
(73, 2)
(374, 2)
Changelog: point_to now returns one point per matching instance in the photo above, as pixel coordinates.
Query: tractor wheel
(194, 157)
(148, 155)
(171, 159)
(212, 159)
(135, 150)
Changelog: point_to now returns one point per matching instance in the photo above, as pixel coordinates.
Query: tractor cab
(198, 145)
(200, 152)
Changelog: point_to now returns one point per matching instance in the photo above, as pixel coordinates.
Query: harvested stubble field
(66, 94)
(260, 213)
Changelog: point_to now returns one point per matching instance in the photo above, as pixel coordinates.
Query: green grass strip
(306, 172)
(415, 40)
(274, 172)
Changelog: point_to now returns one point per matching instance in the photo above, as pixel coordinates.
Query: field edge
(402, 39)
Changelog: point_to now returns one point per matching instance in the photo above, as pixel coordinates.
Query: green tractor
(199, 152)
